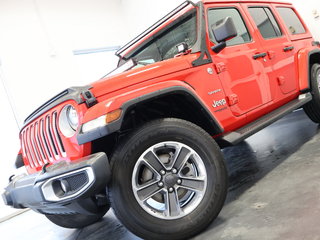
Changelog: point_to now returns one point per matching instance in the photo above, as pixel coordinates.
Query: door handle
(288, 49)
(259, 55)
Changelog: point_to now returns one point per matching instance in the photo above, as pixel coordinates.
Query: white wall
(37, 42)
(140, 14)
(9, 144)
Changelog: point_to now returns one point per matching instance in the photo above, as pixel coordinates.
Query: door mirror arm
(219, 47)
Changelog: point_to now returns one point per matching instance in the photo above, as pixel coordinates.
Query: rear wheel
(312, 108)
(169, 180)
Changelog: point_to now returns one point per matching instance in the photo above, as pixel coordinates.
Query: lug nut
(174, 171)
(179, 181)
(162, 172)
(160, 184)
(171, 189)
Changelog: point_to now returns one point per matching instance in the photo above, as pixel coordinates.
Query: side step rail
(240, 134)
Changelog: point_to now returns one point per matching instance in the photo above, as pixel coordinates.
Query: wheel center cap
(170, 180)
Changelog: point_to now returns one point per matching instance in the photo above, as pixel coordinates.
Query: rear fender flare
(304, 66)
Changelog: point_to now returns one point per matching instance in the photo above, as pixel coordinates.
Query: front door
(241, 64)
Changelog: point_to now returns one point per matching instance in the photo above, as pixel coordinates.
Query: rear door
(297, 31)
(279, 49)
(240, 65)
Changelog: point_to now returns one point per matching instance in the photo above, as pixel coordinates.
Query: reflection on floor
(274, 192)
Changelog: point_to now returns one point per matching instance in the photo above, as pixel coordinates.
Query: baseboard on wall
(13, 214)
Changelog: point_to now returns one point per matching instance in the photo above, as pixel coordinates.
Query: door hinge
(232, 99)
(281, 80)
(220, 67)
(271, 54)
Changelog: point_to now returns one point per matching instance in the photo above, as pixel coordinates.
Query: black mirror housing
(224, 30)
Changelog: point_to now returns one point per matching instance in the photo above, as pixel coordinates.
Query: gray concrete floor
(274, 192)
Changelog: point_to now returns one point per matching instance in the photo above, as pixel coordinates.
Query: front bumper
(62, 188)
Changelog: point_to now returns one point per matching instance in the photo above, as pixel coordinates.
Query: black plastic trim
(19, 161)
(288, 49)
(73, 93)
(24, 191)
(309, 73)
(306, 90)
(89, 98)
(201, 44)
(219, 47)
(239, 135)
(116, 126)
(260, 55)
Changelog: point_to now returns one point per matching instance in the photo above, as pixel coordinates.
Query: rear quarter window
(291, 20)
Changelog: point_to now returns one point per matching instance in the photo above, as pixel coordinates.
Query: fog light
(68, 185)
(65, 186)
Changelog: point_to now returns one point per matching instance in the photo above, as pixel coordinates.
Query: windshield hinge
(201, 44)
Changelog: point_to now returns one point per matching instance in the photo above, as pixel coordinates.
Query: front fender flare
(130, 99)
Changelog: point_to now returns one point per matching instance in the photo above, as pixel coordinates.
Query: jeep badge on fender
(219, 103)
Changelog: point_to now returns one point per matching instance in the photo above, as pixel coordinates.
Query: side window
(215, 15)
(265, 22)
(291, 20)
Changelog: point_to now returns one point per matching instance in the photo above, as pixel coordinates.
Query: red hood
(123, 80)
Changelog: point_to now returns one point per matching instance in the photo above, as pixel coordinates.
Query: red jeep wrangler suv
(146, 138)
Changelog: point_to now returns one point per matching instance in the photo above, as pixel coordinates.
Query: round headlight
(68, 121)
(72, 117)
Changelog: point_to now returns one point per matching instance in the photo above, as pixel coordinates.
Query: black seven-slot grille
(41, 142)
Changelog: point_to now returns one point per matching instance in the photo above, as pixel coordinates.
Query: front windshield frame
(199, 46)
(143, 39)
(122, 51)
(162, 45)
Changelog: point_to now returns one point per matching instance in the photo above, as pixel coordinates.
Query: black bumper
(64, 188)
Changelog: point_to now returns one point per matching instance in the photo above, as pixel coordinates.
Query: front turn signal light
(113, 116)
(101, 121)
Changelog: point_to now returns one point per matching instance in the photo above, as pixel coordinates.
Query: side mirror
(223, 30)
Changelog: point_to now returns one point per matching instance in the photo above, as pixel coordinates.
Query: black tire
(312, 108)
(147, 224)
(76, 220)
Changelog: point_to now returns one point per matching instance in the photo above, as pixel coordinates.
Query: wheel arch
(306, 59)
(314, 57)
(175, 102)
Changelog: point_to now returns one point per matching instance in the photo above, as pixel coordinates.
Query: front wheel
(169, 180)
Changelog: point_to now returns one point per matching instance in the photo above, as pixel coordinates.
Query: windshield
(163, 44)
